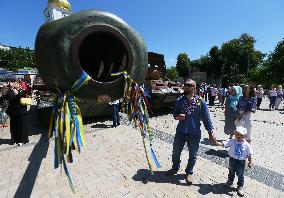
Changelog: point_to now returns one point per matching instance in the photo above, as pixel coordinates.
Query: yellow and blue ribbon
(136, 107)
(67, 127)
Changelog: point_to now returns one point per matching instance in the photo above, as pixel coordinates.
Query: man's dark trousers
(193, 145)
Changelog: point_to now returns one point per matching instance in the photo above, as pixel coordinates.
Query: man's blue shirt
(191, 124)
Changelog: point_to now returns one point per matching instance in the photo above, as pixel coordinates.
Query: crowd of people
(11, 100)
(240, 102)
(212, 92)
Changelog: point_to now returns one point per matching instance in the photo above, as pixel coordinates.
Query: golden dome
(60, 3)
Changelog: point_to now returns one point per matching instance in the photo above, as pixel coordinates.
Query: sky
(168, 27)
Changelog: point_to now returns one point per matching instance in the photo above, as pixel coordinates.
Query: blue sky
(168, 27)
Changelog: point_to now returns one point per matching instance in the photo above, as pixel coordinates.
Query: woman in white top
(272, 97)
(259, 94)
(279, 96)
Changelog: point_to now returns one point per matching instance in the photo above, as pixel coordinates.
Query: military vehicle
(163, 92)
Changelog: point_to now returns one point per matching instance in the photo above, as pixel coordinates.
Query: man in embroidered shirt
(189, 110)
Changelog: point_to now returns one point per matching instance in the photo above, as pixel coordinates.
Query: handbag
(26, 101)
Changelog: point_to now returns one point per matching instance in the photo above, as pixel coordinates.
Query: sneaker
(19, 144)
(188, 179)
(229, 184)
(240, 191)
(171, 172)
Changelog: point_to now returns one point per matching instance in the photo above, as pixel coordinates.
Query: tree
(203, 64)
(276, 62)
(171, 73)
(216, 62)
(240, 56)
(183, 65)
(17, 58)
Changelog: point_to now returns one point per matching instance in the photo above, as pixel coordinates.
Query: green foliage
(171, 73)
(240, 62)
(215, 62)
(203, 65)
(276, 62)
(183, 65)
(240, 56)
(17, 58)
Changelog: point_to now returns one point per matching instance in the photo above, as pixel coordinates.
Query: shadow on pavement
(145, 176)
(264, 110)
(5, 141)
(205, 189)
(90, 120)
(218, 153)
(27, 183)
(98, 126)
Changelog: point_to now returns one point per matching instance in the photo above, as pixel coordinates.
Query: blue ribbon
(81, 81)
(155, 158)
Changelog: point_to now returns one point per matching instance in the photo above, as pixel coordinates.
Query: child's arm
(249, 162)
(219, 144)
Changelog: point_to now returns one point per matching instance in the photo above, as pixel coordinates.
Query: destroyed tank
(98, 43)
(163, 93)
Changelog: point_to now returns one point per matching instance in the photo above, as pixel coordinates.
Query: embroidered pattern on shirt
(239, 149)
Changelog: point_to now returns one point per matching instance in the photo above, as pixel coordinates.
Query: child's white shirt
(238, 150)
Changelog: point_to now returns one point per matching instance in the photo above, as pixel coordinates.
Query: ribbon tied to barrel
(136, 105)
(67, 127)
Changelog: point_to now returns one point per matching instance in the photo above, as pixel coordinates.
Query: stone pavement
(113, 163)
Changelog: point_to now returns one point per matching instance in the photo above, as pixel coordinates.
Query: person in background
(22, 84)
(272, 97)
(17, 113)
(189, 110)
(279, 96)
(115, 113)
(37, 97)
(212, 95)
(246, 106)
(231, 111)
(259, 94)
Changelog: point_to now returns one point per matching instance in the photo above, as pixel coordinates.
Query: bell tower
(57, 9)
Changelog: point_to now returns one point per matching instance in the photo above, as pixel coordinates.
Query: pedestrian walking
(272, 97)
(279, 96)
(231, 111)
(212, 95)
(239, 151)
(189, 110)
(259, 94)
(246, 106)
(115, 113)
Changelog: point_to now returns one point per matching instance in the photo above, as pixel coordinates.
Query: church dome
(61, 4)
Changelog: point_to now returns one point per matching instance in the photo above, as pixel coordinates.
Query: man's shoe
(188, 179)
(240, 191)
(229, 184)
(171, 172)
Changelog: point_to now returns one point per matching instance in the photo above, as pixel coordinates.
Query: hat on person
(242, 130)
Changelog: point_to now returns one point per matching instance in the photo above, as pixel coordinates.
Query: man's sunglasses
(188, 85)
